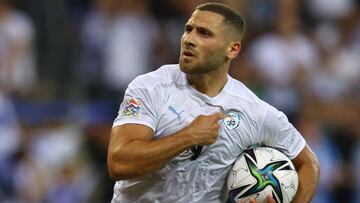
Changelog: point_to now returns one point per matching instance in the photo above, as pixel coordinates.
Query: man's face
(203, 44)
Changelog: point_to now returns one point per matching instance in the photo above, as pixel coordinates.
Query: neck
(210, 83)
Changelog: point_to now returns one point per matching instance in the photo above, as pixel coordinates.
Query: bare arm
(133, 153)
(308, 170)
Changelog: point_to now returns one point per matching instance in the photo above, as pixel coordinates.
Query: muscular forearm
(136, 158)
(133, 152)
(308, 178)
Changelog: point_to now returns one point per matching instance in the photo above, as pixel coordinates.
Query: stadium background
(65, 64)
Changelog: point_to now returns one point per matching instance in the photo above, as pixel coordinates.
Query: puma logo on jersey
(172, 109)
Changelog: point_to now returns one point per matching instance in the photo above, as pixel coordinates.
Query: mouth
(187, 54)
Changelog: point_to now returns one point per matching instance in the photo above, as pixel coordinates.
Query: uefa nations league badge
(232, 120)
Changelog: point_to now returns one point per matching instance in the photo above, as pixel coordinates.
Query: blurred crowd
(65, 65)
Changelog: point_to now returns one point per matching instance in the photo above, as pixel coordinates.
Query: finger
(222, 115)
(252, 200)
(218, 116)
(270, 199)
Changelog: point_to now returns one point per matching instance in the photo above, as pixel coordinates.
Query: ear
(233, 49)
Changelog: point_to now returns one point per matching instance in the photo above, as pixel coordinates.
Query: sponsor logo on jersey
(131, 109)
(232, 120)
(178, 114)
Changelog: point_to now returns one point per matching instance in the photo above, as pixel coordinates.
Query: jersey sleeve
(138, 107)
(276, 131)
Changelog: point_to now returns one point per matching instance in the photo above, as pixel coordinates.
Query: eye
(188, 29)
(204, 32)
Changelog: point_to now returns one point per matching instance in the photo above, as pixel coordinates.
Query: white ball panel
(240, 176)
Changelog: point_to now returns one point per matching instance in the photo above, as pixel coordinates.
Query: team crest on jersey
(232, 120)
(132, 109)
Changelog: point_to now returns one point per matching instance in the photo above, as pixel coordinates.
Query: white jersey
(164, 101)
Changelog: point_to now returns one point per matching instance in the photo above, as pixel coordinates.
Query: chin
(184, 68)
(190, 67)
(187, 67)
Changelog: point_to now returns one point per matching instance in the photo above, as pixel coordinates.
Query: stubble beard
(200, 67)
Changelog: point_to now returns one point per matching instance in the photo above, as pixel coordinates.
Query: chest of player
(234, 134)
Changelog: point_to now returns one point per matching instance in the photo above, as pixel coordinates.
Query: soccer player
(181, 127)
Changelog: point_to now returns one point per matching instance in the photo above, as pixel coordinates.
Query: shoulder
(248, 102)
(164, 76)
(242, 92)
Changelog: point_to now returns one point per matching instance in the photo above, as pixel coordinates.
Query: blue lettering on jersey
(232, 120)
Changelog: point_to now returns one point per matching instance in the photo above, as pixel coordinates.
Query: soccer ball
(259, 172)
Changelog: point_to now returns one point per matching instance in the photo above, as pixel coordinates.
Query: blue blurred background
(64, 66)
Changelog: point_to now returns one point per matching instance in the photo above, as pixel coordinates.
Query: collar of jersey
(212, 100)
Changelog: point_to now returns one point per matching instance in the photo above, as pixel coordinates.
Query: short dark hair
(231, 16)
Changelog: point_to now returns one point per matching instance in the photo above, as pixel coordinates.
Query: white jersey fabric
(164, 101)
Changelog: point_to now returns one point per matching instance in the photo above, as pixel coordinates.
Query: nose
(188, 39)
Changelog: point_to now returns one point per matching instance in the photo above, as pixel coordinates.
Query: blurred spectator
(329, 9)
(94, 37)
(96, 145)
(284, 58)
(65, 190)
(10, 138)
(28, 179)
(357, 175)
(9, 127)
(130, 44)
(328, 154)
(54, 149)
(17, 62)
(118, 39)
(339, 75)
